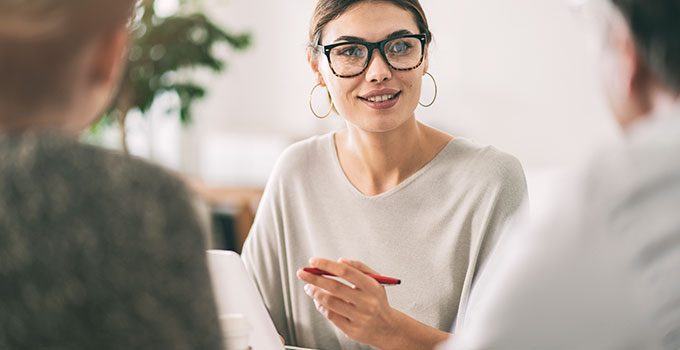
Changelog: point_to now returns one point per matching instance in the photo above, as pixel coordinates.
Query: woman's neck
(376, 162)
(43, 119)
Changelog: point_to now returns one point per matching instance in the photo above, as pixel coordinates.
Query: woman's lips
(384, 101)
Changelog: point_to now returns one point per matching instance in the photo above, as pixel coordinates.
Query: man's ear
(630, 67)
(109, 56)
(629, 79)
(640, 79)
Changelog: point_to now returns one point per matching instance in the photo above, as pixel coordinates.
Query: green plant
(161, 48)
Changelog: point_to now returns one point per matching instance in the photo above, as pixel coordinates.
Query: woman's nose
(378, 70)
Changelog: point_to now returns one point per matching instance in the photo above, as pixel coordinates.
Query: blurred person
(97, 250)
(387, 192)
(598, 268)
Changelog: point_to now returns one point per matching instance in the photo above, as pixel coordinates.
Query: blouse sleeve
(507, 202)
(501, 200)
(263, 255)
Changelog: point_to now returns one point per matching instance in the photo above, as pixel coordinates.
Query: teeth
(382, 98)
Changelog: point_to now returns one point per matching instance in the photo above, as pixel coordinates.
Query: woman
(88, 237)
(388, 192)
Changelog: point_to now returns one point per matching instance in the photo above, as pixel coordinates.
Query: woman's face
(358, 99)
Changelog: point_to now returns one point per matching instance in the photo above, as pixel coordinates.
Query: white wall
(513, 73)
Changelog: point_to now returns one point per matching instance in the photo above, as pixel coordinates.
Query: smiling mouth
(380, 98)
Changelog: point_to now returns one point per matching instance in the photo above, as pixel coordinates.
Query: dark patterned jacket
(98, 251)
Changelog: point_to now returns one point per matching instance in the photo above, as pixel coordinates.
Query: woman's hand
(362, 312)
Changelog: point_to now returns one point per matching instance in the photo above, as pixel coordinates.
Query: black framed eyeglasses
(402, 53)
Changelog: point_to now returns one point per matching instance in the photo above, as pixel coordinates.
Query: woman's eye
(352, 51)
(400, 47)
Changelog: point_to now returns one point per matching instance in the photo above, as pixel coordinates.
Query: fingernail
(307, 288)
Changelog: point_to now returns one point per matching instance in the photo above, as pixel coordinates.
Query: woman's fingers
(346, 272)
(362, 310)
(342, 322)
(359, 266)
(334, 287)
(330, 302)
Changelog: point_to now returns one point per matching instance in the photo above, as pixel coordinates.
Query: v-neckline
(398, 187)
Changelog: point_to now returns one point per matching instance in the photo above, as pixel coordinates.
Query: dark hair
(39, 40)
(328, 10)
(655, 26)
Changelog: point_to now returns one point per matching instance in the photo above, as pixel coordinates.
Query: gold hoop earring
(435, 92)
(312, 107)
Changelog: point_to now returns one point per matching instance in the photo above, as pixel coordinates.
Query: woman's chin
(380, 125)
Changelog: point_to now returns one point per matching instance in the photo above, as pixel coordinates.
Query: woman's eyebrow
(356, 38)
(399, 33)
(349, 38)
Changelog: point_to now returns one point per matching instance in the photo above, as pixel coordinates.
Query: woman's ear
(109, 57)
(314, 65)
(426, 62)
(319, 79)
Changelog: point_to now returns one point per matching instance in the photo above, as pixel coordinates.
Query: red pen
(380, 279)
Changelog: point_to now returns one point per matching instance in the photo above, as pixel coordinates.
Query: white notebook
(235, 293)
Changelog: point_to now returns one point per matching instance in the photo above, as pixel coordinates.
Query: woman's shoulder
(52, 157)
(306, 155)
(484, 161)
(41, 170)
(310, 146)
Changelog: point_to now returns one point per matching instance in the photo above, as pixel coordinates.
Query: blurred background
(517, 74)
